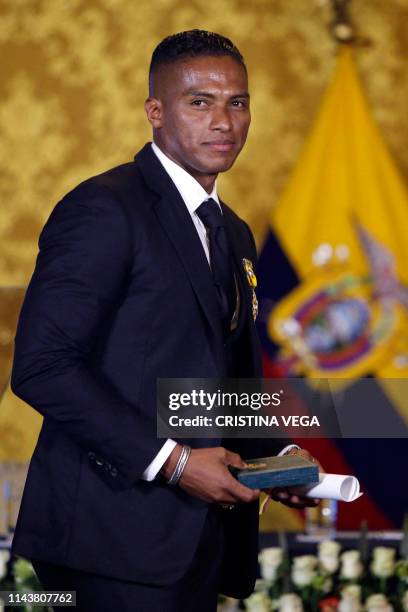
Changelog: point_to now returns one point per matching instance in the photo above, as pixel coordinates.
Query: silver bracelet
(181, 464)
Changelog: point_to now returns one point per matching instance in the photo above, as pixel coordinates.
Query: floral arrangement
(331, 581)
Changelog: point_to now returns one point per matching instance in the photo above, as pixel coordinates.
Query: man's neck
(206, 181)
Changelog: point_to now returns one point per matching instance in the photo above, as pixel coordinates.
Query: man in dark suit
(140, 276)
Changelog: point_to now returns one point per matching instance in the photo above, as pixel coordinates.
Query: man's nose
(221, 119)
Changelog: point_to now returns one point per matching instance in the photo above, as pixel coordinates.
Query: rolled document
(334, 486)
(330, 486)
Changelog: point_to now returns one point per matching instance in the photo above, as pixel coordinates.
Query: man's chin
(217, 166)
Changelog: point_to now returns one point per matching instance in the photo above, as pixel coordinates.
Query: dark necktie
(221, 265)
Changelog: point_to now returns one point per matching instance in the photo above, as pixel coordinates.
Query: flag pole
(342, 28)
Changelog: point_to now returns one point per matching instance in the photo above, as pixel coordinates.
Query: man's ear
(154, 112)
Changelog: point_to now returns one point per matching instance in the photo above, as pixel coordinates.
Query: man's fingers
(279, 495)
(301, 502)
(234, 460)
(310, 502)
(207, 476)
(293, 500)
(238, 492)
(242, 493)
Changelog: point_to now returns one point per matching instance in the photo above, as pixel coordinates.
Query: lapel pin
(252, 282)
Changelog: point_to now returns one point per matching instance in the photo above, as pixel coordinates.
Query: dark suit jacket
(121, 295)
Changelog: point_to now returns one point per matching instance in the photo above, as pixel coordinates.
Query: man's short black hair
(192, 43)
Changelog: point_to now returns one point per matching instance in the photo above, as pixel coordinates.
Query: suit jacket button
(91, 455)
(99, 462)
(114, 472)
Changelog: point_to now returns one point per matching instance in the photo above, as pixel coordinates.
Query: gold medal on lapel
(249, 269)
(251, 278)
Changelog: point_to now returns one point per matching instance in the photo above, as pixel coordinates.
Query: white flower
(228, 604)
(4, 557)
(349, 605)
(350, 599)
(303, 570)
(258, 602)
(383, 562)
(329, 556)
(329, 547)
(352, 591)
(329, 564)
(378, 603)
(269, 560)
(351, 566)
(404, 601)
(290, 602)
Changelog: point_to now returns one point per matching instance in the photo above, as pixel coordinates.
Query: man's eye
(199, 102)
(239, 103)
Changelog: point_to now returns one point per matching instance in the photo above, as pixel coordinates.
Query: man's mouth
(220, 145)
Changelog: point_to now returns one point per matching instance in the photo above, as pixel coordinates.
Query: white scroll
(334, 486)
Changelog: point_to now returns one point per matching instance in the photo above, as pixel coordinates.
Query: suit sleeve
(81, 271)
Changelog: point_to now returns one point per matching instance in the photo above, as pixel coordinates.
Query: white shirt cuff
(160, 459)
(287, 449)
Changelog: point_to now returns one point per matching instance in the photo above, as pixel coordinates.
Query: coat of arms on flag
(337, 323)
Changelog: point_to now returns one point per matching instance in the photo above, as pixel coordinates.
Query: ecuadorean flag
(333, 297)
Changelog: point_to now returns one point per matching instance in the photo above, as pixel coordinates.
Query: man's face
(200, 113)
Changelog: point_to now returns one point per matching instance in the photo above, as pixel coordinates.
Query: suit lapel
(235, 230)
(235, 240)
(176, 221)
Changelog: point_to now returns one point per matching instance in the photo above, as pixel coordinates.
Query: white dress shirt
(193, 195)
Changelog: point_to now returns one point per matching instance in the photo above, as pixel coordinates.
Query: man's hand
(292, 496)
(207, 476)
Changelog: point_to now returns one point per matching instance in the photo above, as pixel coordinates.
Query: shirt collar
(190, 190)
